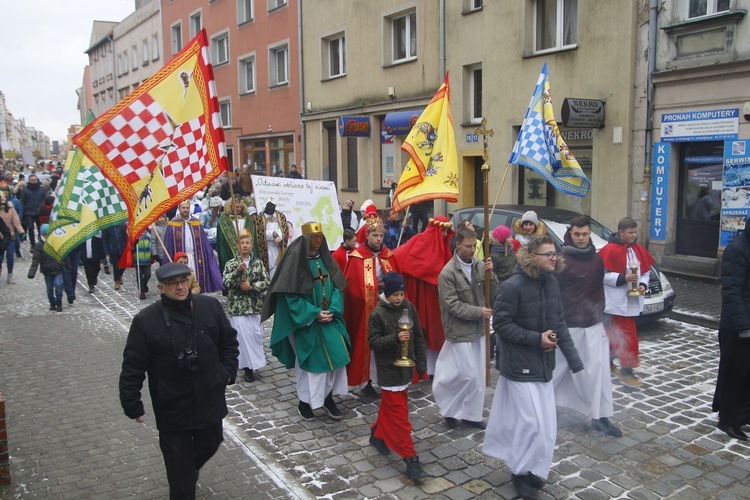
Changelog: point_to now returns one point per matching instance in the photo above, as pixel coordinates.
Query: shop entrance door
(699, 199)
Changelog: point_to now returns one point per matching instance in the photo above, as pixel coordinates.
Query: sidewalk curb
(694, 320)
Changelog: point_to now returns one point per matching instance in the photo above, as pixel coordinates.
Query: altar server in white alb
(459, 381)
(582, 290)
(528, 319)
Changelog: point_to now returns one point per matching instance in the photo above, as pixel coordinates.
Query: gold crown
(312, 228)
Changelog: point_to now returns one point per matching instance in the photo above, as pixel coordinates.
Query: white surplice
(250, 337)
(459, 382)
(522, 426)
(588, 391)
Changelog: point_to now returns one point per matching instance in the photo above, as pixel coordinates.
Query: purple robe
(206, 268)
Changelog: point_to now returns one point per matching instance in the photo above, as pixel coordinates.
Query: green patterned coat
(251, 301)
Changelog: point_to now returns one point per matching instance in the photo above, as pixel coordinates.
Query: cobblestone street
(68, 437)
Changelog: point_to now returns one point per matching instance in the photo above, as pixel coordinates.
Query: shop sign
(582, 113)
(659, 189)
(709, 125)
(354, 126)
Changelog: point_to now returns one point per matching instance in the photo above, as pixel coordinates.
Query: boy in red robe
(619, 255)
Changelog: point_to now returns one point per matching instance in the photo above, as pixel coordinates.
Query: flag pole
(502, 183)
(401, 233)
(486, 134)
(161, 242)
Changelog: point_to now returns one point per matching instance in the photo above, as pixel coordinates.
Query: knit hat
(366, 204)
(393, 282)
(44, 229)
(348, 204)
(530, 216)
(180, 254)
(501, 233)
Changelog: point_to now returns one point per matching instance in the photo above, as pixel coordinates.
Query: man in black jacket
(582, 290)
(189, 349)
(732, 395)
(32, 197)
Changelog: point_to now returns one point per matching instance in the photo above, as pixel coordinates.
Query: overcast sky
(42, 58)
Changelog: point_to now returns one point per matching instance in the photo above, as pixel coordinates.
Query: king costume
(188, 236)
(226, 236)
(318, 351)
(365, 267)
(269, 222)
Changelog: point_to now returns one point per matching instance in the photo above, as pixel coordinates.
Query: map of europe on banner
(301, 201)
(735, 196)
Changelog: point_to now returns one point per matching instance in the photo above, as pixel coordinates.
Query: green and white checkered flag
(70, 192)
(102, 197)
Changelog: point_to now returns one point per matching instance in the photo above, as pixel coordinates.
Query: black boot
(378, 443)
(414, 471)
(51, 306)
(330, 406)
(249, 377)
(58, 306)
(370, 391)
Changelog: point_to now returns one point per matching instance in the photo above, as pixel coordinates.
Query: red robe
(341, 256)
(422, 258)
(360, 298)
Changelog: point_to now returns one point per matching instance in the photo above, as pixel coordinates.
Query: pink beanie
(501, 233)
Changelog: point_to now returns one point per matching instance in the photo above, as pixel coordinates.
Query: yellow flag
(432, 171)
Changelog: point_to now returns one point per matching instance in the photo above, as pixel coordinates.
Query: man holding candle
(626, 267)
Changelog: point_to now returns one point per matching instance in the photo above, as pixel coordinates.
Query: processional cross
(486, 134)
(322, 277)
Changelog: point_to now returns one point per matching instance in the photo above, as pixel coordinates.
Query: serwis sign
(582, 113)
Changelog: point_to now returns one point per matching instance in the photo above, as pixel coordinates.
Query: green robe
(321, 347)
(226, 238)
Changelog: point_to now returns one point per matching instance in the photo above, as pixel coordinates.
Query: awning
(354, 126)
(401, 122)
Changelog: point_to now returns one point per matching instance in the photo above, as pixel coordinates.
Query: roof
(99, 31)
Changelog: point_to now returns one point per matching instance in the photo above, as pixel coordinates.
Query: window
(176, 38)
(125, 63)
(244, 11)
(276, 4)
(196, 23)
(404, 37)
(472, 5)
(474, 97)
(555, 24)
(698, 8)
(336, 56)
(278, 59)
(220, 49)
(225, 109)
(247, 75)
(352, 172)
(144, 53)
(119, 65)
(134, 52)
(155, 47)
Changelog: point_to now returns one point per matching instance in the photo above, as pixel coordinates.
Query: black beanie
(393, 282)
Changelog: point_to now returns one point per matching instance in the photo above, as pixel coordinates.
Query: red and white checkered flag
(134, 139)
(187, 157)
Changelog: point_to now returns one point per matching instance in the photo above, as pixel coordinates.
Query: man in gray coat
(459, 381)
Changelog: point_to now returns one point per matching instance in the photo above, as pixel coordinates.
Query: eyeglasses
(183, 282)
(549, 255)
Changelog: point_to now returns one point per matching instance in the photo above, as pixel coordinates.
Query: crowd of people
(561, 316)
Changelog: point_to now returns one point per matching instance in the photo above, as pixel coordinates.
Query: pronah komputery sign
(708, 125)
(659, 188)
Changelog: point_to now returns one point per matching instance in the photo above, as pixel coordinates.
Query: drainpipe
(444, 204)
(114, 68)
(303, 149)
(653, 14)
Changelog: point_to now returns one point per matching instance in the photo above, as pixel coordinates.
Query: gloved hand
(24, 236)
